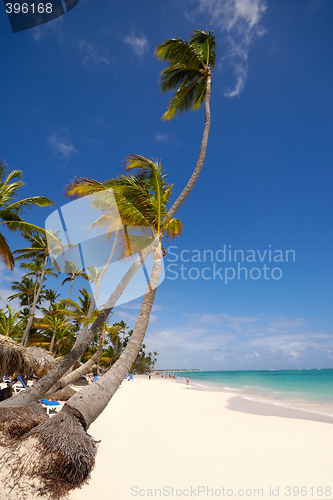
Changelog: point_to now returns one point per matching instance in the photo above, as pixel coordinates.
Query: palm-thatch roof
(43, 359)
(16, 359)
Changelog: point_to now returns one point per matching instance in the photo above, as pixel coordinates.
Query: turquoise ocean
(307, 390)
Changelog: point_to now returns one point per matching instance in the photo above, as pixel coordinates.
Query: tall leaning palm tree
(10, 210)
(189, 73)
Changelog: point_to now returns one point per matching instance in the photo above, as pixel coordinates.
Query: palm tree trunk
(25, 337)
(82, 370)
(70, 290)
(89, 402)
(52, 342)
(97, 287)
(39, 388)
(202, 153)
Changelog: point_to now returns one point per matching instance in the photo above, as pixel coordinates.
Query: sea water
(307, 390)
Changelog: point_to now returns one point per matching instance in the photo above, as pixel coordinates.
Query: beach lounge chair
(95, 378)
(18, 389)
(7, 380)
(50, 405)
(131, 377)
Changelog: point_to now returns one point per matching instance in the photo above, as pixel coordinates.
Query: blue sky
(81, 93)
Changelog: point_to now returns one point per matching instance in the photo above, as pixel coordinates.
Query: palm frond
(204, 43)
(183, 99)
(5, 254)
(29, 203)
(178, 51)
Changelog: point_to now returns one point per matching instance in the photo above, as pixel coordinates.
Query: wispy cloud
(161, 137)
(101, 122)
(238, 342)
(47, 29)
(139, 44)
(92, 55)
(62, 147)
(239, 21)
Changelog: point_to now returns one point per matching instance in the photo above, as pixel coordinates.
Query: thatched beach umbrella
(25, 361)
(14, 358)
(43, 359)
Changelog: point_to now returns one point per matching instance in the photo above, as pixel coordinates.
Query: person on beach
(187, 380)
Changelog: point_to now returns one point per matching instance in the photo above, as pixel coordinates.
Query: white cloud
(240, 342)
(62, 147)
(239, 21)
(92, 55)
(138, 43)
(161, 137)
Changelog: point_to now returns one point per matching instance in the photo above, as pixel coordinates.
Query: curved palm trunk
(202, 153)
(82, 370)
(89, 402)
(40, 387)
(25, 337)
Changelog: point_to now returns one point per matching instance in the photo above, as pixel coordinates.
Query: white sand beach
(161, 435)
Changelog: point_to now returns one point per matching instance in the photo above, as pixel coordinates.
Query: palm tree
(189, 72)
(51, 295)
(25, 291)
(74, 272)
(54, 326)
(79, 311)
(10, 323)
(10, 210)
(149, 194)
(38, 269)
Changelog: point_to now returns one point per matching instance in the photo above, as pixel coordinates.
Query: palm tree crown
(10, 210)
(142, 198)
(190, 66)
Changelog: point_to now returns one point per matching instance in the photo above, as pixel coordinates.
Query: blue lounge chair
(49, 405)
(7, 380)
(18, 389)
(95, 378)
(131, 377)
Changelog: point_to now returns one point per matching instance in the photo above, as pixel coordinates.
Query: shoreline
(264, 405)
